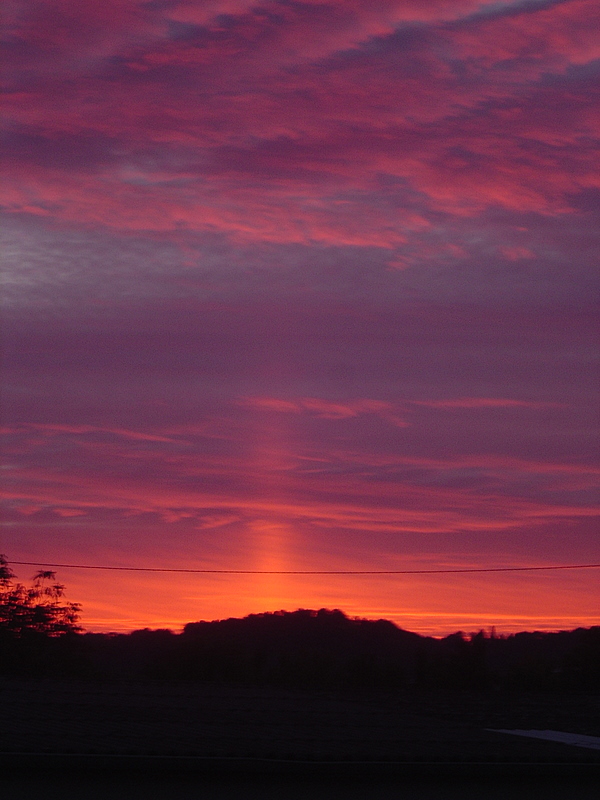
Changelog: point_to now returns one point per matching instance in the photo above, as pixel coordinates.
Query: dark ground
(159, 740)
(202, 787)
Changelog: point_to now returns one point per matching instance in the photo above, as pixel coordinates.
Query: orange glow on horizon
(435, 605)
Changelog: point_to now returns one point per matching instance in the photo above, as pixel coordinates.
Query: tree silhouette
(39, 608)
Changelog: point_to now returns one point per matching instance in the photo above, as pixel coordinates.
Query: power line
(309, 571)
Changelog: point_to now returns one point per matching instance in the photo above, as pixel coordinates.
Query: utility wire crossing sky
(314, 572)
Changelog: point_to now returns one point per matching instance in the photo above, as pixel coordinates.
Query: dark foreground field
(145, 739)
(296, 704)
(262, 787)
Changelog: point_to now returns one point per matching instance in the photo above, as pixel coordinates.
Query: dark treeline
(312, 649)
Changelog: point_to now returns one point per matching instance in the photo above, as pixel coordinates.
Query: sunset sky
(303, 286)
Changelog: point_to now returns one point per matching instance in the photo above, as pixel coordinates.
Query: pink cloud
(57, 430)
(319, 29)
(485, 402)
(546, 37)
(69, 512)
(342, 498)
(326, 409)
(28, 509)
(517, 253)
(225, 165)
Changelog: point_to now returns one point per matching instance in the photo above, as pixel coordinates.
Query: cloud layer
(307, 284)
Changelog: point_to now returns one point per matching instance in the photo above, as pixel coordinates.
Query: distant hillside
(315, 649)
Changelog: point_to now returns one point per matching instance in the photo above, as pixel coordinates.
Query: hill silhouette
(322, 649)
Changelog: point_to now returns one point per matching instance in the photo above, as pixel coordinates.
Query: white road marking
(577, 739)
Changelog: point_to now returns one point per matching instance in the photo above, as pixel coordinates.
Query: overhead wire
(440, 571)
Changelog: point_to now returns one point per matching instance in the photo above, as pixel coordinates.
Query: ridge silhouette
(317, 649)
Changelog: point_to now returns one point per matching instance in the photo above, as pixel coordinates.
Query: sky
(298, 286)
